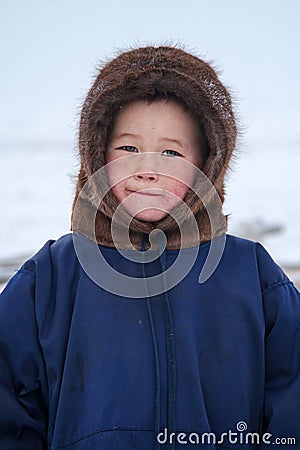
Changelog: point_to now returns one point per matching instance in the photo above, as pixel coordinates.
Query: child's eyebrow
(137, 136)
(174, 141)
(122, 135)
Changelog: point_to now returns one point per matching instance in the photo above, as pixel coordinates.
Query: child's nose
(146, 176)
(145, 167)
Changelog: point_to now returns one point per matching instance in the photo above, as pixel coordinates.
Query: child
(107, 342)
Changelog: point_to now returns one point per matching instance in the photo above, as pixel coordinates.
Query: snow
(265, 187)
(35, 195)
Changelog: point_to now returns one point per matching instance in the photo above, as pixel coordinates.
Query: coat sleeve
(281, 302)
(23, 384)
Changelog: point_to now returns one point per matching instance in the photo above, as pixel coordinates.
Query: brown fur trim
(147, 73)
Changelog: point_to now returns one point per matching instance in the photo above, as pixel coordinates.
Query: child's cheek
(177, 188)
(118, 191)
(116, 176)
(182, 171)
(118, 170)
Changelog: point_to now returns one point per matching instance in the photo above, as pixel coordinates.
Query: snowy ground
(36, 192)
(265, 186)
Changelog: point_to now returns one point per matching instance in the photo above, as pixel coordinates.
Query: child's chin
(151, 215)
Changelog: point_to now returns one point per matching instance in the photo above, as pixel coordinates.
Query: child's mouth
(146, 193)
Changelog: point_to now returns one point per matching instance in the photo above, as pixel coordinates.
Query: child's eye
(171, 153)
(128, 148)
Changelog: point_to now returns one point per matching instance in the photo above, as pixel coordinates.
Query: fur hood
(149, 73)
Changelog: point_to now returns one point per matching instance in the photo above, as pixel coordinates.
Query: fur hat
(150, 73)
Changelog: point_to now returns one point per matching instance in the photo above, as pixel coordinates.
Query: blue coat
(82, 368)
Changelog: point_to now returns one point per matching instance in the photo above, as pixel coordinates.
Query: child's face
(157, 128)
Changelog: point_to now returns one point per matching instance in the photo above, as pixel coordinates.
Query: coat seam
(31, 272)
(277, 284)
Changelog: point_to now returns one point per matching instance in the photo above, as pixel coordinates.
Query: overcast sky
(49, 50)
